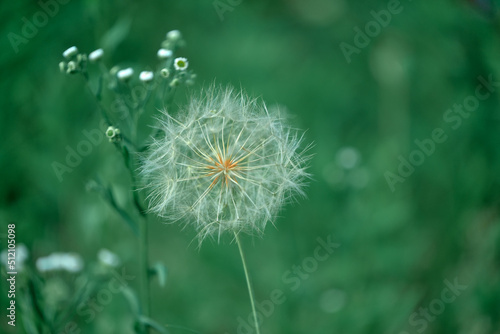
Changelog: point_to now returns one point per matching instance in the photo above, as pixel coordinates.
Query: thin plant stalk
(144, 261)
(249, 285)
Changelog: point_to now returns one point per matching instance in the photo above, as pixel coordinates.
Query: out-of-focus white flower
(96, 55)
(174, 35)
(332, 300)
(146, 76)
(125, 74)
(60, 261)
(70, 52)
(21, 254)
(226, 163)
(108, 258)
(348, 157)
(181, 63)
(164, 53)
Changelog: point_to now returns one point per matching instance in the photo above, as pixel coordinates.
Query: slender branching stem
(249, 285)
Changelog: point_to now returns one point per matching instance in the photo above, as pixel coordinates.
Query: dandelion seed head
(227, 163)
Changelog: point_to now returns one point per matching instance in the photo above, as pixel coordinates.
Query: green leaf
(107, 194)
(114, 36)
(133, 301)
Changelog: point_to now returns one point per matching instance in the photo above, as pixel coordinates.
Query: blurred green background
(397, 246)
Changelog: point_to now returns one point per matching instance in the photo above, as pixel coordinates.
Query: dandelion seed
(181, 64)
(226, 163)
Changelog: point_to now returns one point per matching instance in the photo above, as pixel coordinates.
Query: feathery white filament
(226, 163)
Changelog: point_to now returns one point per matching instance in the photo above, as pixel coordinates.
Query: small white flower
(181, 63)
(62, 67)
(348, 157)
(174, 35)
(96, 55)
(125, 74)
(60, 261)
(146, 76)
(164, 53)
(227, 163)
(108, 258)
(70, 52)
(113, 133)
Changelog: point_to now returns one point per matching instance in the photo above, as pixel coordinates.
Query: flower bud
(174, 35)
(165, 73)
(71, 67)
(70, 52)
(174, 83)
(125, 74)
(113, 134)
(164, 53)
(146, 76)
(94, 56)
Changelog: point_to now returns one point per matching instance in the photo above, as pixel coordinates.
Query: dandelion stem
(249, 285)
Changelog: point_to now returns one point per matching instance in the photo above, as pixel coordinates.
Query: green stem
(144, 260)
(250, 290)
